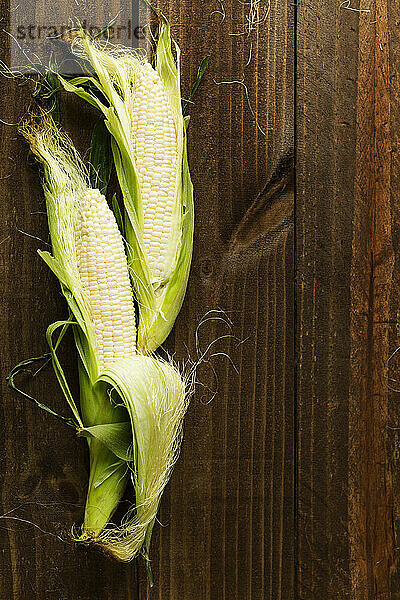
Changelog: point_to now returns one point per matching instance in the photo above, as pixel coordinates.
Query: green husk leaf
(57, 366)
(54, 266)
(106, 28)
(83, 336)
(107, 483)
(48, 92)
(118, 215)
(167, 67)
(107, 474)
(126, 171)
(23, 368)
(149, 572)
(154, 395)
(116, 436)
(199, 77)
(100, 158)
(69, 86)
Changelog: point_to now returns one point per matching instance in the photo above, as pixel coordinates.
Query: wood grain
(227, 516)
(229, 508)
(347, 215)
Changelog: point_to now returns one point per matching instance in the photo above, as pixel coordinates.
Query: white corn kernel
(156, 153)
(104, 273)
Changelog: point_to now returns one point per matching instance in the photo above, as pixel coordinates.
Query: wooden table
(287, 485)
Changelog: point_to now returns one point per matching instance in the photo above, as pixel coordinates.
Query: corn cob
(142, 109)
(104, 274)
(139, 435)
(155, 150)
(86, 245)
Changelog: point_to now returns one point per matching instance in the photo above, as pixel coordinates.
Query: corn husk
(114, 78)
(130, 412)
(65, 181)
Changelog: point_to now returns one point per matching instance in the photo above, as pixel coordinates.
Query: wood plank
(228, 511)
(347, 298)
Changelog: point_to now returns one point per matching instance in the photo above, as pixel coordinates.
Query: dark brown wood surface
(227, 516)
(347, 215)
(288, 481)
